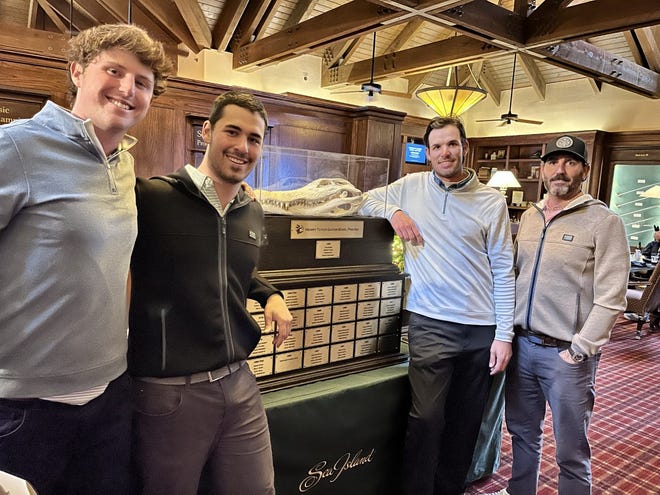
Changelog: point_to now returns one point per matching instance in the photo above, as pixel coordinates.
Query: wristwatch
(578, 357)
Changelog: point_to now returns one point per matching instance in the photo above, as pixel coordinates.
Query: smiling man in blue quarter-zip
(67, 227)
(197, 404)
(572, 263)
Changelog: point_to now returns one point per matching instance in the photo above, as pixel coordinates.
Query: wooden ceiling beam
(299, 12)
(487, 82)
(347, 21)
(590, 19)
(591, 61)
(433, 56)
(99, 13)
(649, 41)
(247, 26)
(534, 75)
(404, 35)
(193, 16)
(168, 17)
(339, 52)
(415, 81)
(487, 22)
(53, 16)
(226, 24)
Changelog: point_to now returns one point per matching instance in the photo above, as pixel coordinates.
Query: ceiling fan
(371, 88)
(508, 118)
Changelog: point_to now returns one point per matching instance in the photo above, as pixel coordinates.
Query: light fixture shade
(451, 100)
(503, 179)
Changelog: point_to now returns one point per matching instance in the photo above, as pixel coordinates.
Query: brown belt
(202, 376)
(541, 339)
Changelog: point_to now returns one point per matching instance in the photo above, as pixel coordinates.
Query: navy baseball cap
(567, 144)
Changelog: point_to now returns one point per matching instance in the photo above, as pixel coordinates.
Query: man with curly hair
(67, 229)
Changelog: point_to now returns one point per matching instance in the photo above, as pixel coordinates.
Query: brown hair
(87, 45)
(242, 99)
(440, 122)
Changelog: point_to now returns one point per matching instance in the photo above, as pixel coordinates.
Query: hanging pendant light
(451, 99)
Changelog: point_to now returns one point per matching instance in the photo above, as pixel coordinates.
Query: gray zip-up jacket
(67, 226)
(572, 274)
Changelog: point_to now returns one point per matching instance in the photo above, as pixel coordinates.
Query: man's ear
(76, 70)
(207, 130)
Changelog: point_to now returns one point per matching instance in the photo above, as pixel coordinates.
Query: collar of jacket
(182, 180)
(458, 185)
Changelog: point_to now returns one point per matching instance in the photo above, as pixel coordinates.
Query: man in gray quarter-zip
(67, 228)
(197, 404)
(572, 263)
(459, 253)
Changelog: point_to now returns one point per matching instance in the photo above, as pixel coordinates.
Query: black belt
(202, 376)
(541, 339)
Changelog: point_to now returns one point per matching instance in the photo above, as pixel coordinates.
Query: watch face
(577, 357)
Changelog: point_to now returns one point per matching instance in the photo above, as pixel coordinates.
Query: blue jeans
(218, 428)
(67, 449)
(537, 375)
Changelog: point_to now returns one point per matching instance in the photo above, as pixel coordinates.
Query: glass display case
(333, 266)
(291, 181)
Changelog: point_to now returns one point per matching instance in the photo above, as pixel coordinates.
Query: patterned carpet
(625, 427)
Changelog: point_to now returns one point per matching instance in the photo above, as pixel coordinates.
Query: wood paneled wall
(165, 135)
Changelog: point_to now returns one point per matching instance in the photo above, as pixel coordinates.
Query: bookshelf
(521, 155)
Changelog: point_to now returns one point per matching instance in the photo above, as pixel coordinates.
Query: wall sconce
(503, 179)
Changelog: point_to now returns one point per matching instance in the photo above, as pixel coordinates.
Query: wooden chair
(644, 302)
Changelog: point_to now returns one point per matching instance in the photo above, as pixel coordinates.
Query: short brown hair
(87, 45)
(242, 99)
(440, 122)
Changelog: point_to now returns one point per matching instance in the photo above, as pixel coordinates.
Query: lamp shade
(451, 100)
(503, 179)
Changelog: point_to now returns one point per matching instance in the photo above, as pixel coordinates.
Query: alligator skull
(321, 197)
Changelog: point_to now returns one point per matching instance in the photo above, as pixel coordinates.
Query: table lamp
(503, 179)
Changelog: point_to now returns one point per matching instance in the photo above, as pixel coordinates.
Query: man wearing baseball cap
(572, 264)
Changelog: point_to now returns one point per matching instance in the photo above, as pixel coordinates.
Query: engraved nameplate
(340, 352)
(298, 318)
(318, 316)
(367, 309)
(366, 328)
(317, 336)
(260, 319)
(253, 306)
(327, 229)
(343, 331)
(293, 342)
(265, 346)
(316, 356)
(390, 306)
(364, 347)
(294, 298)
(345, 293)
(288, 362)
(262, 366)
(391, 288)
(369, 290)
(343, 312)
(318, 296)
